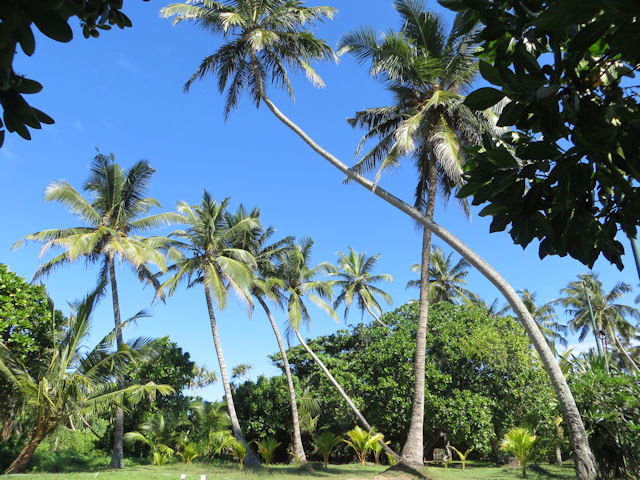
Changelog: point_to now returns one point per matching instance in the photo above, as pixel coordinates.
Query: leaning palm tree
(355, 281)
(546, 318)
(268, 287)
(446, 281)
(76, 380)
(610, 318)
(427, 72)
(112, 220)
(300, 282)
(262, 40)
(205, 254)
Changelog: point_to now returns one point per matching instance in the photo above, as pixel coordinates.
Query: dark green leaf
(483, 98)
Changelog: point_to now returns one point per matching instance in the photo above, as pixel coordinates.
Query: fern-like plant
(266, 449)
(324, 443)
(520, 443)
(223, 441)
(361, 441)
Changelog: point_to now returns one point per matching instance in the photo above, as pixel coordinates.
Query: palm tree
(267, 286)
(242, 63)
(356, 281)
(156, 435)
(446, 282)
(112, 220)
(299, 281)
(546, 318)
(76, 379)
(205, 254)
(610, 318)
(427, 72)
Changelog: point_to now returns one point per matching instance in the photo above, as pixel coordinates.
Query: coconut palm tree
(610, 318)
(205, 254)
(112, 220)
(355, 281)
(446, 282)
(546, 318)
(427, 72)
(299, 282)
(243, 63)
(76, 380)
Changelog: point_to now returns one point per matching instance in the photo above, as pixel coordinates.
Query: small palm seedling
(463, 456)
(188, 453)
(520, 443)
(361, 441)
(266, 448)
(225, 442)
(324, 443)
(155, 434)
(377, 448)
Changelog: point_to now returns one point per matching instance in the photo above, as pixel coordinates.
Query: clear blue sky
(123, 94)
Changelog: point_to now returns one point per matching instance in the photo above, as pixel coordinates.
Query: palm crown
(355, 281)
(263, 38)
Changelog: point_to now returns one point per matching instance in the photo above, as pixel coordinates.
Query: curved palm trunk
(344, 395)
(413, 450)
(298, 449)
(375, 317)
(624, 352)
(38, 434)
(585, 465)
(117, 457)
(251, 459)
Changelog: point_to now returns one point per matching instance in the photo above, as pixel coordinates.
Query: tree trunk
(624, 352)
(346, 397)
(298, 449)
(117, 457)
(251, 459)
(413, 449)
(38, 434)
(375, 317)
(585, 465)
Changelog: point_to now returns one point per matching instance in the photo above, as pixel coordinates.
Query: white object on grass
(183, 476)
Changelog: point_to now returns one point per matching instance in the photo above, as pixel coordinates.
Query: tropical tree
(77, 379)
(267, 286)
(427, 72)
(205, 255)
(355, 281)
(611, 318)
(446, 282)
(247, 62)
(546, 318)
(299, 281)
(111, 221)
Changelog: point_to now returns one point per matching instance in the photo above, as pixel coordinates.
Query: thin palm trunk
(585, 465)
(251, 459)
(344, 395)
(413, 450)
(624, 352)
(117, 457)
(375, 317)
(298, 449)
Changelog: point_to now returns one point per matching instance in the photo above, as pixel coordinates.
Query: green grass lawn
(276, 472)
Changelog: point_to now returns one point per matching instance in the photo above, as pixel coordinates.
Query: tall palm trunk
(413, 450)
(117, 457)
(251, 459)
(298, 449)
(346, 397)
(585, 465)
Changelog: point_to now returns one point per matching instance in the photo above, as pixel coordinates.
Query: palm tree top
(263, 39)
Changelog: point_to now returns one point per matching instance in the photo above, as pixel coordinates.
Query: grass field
(277, 472)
